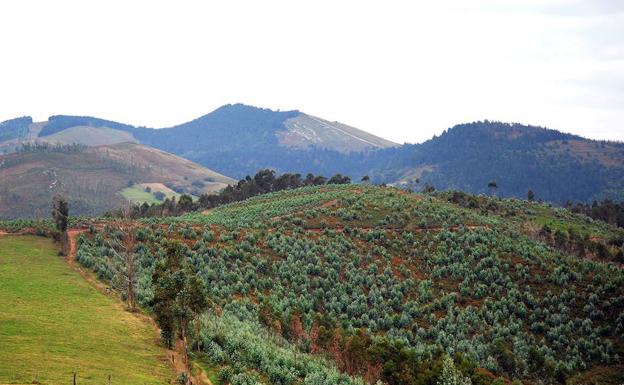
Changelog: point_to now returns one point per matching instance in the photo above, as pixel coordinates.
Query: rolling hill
(350, 284)
(93, 178)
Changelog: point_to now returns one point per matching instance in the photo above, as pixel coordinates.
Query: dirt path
(72, 238)
(174, 357)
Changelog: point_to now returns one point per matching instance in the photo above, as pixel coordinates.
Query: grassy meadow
(53, 323)
(137, 193)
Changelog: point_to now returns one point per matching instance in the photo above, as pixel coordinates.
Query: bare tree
(123, 248)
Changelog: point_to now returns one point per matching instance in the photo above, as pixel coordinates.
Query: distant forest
(15, 128)
(606, 211)
(264, 181)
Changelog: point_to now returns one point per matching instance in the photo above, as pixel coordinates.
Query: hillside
(92, 178)
(14, 132)
(304, 131)
(89, 136)
(234, 139)
(53, 323)
(558, 167)
(377, 283)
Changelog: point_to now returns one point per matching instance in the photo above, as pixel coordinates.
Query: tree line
(607, 211)
(46, 147)
(263, 182)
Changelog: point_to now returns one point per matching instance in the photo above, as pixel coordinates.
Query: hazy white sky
(397, 69)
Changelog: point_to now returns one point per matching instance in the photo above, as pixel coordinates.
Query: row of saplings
(179, 298)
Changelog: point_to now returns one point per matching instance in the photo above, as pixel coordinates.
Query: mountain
(95, 179)
(556, 166)
(238, 140)
(62, 129)
(235, 139)
(239, 125)
(381, 284)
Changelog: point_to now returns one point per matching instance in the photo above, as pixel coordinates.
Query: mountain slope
(556, 166)
(234, 139)
(14, 132)
(89, 136)
(92, 178)
(384, 283)
(241, 125)
(238, 140)
(304, 131)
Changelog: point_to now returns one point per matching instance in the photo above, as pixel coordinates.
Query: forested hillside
(14, 128)
(351, 284)
(558, 167)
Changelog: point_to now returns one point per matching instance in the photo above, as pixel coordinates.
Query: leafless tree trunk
(126, 253)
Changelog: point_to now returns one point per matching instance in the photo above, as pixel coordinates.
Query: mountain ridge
(238, 140)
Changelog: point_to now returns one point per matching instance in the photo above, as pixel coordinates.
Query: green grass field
(137, 193)
(53, 323)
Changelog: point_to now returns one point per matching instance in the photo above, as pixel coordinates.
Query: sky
(403, 70)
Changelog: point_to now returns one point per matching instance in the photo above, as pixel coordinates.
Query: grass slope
(53, 323)
(92, 179)
(304, 131)
(137, 193)
(90, 136)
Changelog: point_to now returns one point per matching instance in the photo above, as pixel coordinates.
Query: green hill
(356, 283)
